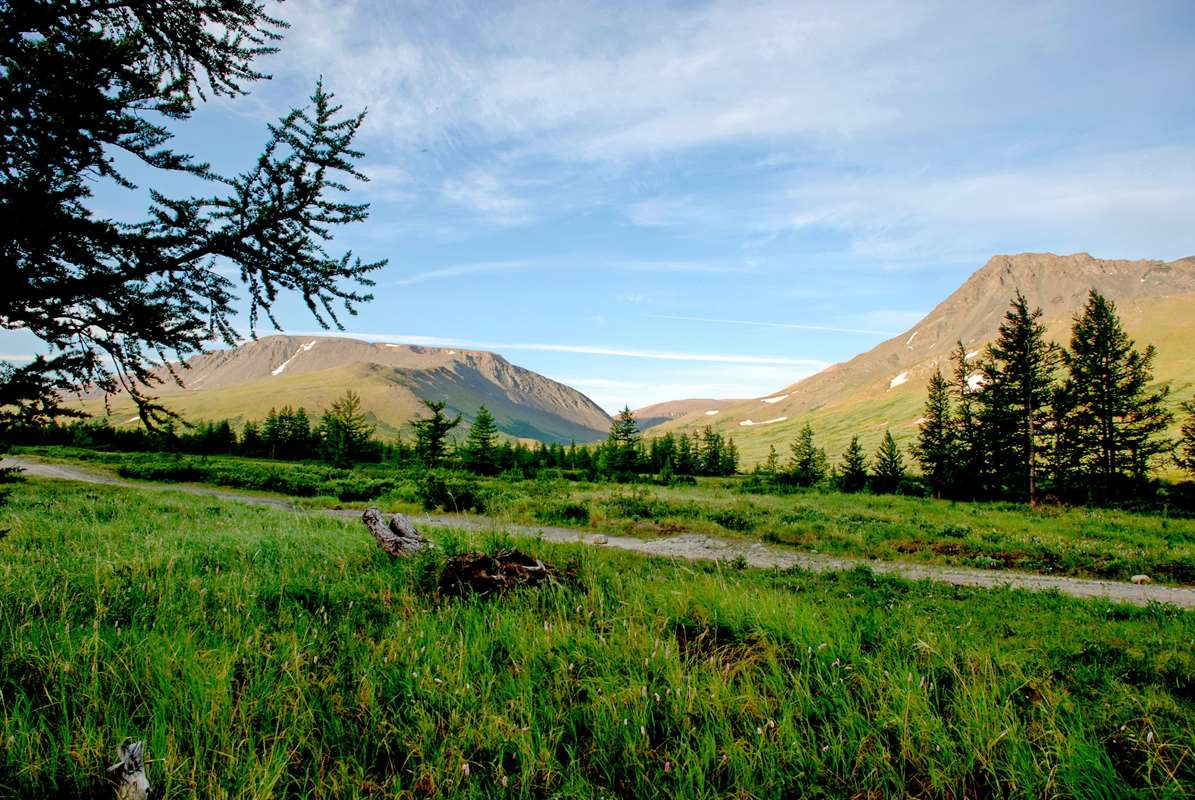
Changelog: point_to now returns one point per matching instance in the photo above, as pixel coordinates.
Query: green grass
(1061, 540)
(265, 654)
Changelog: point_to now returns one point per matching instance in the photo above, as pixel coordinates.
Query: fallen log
(398, 538)
(485, 574)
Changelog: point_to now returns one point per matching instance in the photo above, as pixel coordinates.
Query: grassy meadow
(261, 653)
(1049, 539)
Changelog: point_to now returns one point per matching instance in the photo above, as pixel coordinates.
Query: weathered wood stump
(398, 538)
(487, 574)
(129, 773)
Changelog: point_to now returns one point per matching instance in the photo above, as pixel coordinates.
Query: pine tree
(852, 475)
(623, 445)
(684, 456)
(431, 433)
(711, 452)
(730, 458)
(1185, 452)
(479, 451)
(771, 466)
(92, 95)
(971, 460)
(251, 442)
(807, 464)
(1113, 421)
(345, 431)
(937, 446)
(889, 466)
(1021, 366)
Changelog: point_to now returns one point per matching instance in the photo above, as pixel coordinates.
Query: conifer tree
(711, 452)
(1020, 370)
(1113, 420)
(623, 445)
(1185, 452)
(937, 447)
(479, 452)
(431, 433)
(91, 96)
(852, 475)
(345, 432)
(730, 458)
(889, 466)
(971, 460)
(771, 465)
(807, 465)
(684, 456)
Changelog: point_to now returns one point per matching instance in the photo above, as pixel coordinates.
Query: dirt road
(696, 547)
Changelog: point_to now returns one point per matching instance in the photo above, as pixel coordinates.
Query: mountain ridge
(243, 382)
(879, 382)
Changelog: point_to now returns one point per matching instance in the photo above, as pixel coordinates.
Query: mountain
(659, 413)
(885, 387)
(245, 382)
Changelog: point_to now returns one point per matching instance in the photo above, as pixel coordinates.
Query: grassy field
(265, 654)
(1077, 541)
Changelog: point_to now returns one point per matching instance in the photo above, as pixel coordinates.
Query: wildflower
(642, 731)
(822, 646)
(657, 696)
(505, 781)
(667, 766)
(465, 769)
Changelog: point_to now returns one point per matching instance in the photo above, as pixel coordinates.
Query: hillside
(245, 382)
(659, 413)
(885, 387)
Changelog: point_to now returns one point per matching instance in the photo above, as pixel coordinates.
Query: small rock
(600, 539)
(1140, 579)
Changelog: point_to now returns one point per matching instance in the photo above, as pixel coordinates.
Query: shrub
(451, 492)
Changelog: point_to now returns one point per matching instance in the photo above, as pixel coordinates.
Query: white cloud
(581, 349)
(459, 270)
(489, 197)
(791, 325)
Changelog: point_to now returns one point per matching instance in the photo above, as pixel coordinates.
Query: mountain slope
(885, 387)
(659, 413)
(243, 383)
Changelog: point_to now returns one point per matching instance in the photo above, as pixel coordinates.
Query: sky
(656, 200)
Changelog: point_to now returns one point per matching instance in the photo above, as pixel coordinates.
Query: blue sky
(650, 201)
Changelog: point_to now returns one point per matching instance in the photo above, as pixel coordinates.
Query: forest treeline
(1022, 419)
(344, 436)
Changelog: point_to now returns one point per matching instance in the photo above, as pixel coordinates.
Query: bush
(451, 492)
(563, 514)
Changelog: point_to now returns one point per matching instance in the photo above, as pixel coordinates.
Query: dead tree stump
(129, 773)
(399, 538)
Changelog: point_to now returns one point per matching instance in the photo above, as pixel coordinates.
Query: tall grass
(266, 654)
(1052, 539)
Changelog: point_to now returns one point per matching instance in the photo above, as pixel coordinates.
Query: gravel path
(695, 547)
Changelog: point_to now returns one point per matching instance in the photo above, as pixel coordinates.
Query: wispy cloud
(460, 270)
(16, 358)
(488, 196)
(580, 349)
(793, 325)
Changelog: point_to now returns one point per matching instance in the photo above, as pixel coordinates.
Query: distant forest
(1024, 420)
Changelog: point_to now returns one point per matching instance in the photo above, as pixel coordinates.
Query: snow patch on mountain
(751, 423)
(302, 349)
